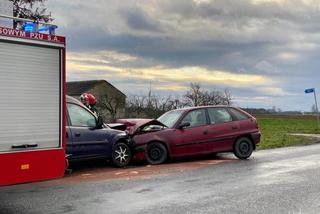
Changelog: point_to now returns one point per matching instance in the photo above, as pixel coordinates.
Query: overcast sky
(266, 52)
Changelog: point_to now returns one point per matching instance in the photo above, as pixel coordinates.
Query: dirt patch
(135, 172)
(314, 136)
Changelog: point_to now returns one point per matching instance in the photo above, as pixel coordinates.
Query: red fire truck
(32, 103)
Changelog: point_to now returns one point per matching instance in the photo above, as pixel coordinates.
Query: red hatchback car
(194, 131)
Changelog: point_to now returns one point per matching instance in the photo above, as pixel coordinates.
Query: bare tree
(196, 96)
(227, 97)
(111, 104)
(135, 105)
(31, 9)
(152, 106)
(163, 104)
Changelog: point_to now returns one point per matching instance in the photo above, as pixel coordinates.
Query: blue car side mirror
(99, 122)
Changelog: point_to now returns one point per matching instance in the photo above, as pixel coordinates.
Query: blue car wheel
(121, 155)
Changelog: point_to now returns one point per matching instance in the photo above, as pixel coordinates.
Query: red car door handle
(234, 127)
(205, 132)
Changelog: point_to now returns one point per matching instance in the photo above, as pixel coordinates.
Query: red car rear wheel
(243, 148)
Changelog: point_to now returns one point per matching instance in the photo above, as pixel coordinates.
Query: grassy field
(275, 130)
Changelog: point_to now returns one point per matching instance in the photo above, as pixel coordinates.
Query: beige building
(110, 100)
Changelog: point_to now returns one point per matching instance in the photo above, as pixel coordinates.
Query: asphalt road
(273, 181)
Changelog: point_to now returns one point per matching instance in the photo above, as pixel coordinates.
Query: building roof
(76, 88)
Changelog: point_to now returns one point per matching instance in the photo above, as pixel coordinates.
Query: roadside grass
(275, 130)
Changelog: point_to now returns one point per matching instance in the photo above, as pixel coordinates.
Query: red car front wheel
(156, 153)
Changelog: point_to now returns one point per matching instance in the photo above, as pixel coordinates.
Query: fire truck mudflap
(32, 106)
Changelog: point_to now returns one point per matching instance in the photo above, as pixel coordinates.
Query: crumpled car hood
(117, 126)
(134, 125)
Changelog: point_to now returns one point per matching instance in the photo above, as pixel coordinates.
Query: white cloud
(274, 91)
(287, 56)
(266, 67)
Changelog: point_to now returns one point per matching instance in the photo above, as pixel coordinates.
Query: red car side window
(219, 115)
(195, 118)
(238, 114)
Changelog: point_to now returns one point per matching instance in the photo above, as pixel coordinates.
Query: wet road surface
(273, 181)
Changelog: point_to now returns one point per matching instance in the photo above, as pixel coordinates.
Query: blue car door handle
(77, 134)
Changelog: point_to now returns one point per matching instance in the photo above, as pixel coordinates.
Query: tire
(121, 155)
(243, 148)
(156, 153)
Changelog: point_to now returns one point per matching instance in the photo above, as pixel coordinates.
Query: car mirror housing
(184, 125)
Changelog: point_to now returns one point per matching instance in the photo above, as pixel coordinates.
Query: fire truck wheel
(121, 155)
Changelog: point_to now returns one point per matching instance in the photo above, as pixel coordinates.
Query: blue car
(89, 138)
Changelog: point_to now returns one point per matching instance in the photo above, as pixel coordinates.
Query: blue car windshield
(170, 118)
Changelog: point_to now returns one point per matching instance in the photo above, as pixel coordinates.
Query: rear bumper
(256, 136)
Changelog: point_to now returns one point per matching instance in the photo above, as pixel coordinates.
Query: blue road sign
(309, 90)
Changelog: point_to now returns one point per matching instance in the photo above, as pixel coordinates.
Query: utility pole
(315, 100)
(313, 90)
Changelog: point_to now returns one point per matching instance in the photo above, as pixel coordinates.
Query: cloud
(173, 75)
(266, 67)
(274, 91)
(264, 44)
(138, 20)
(99, 57)
(287, 56)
